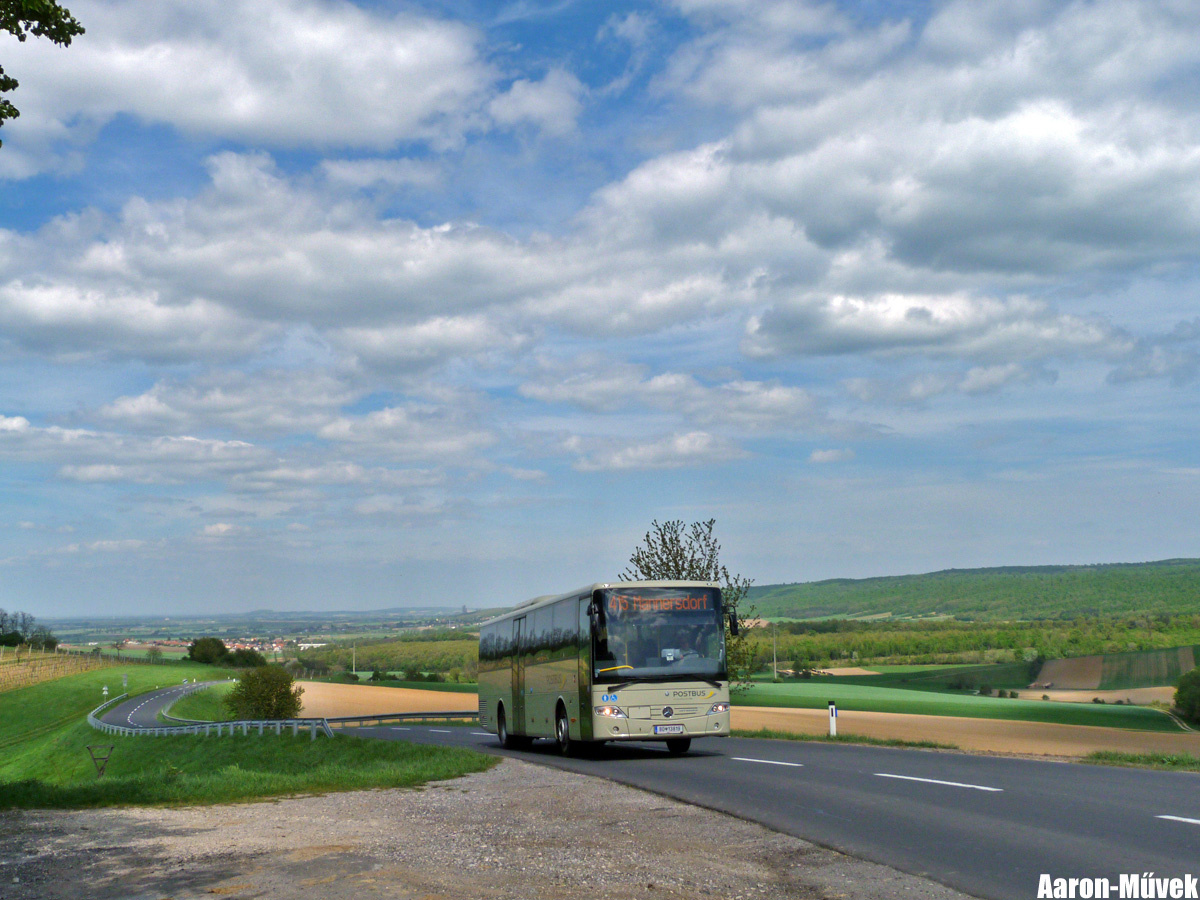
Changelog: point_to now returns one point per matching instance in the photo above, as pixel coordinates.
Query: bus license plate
(668, 729)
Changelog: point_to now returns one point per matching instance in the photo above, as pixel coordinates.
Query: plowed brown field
(321, 699)
(994, 735)
(1138, 696)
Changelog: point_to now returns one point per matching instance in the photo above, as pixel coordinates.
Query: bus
(621, 661)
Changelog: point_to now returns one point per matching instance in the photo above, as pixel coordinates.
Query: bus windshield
(659, 634)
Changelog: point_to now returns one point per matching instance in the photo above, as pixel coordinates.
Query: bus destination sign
(620, 604)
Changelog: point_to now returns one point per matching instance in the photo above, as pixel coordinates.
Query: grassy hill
(45, 763)
(1006, 593)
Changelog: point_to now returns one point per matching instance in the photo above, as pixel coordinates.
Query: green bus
(622, 661)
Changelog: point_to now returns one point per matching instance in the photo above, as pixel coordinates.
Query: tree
(1187, 694)
(678, 552)
(267, 692)
(208, 650)
(41, 18)
(244, 658)
(154, 654)
(42, 638)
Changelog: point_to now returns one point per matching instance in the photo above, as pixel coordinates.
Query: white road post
(832, 719)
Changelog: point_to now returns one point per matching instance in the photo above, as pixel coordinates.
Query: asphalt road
(142, 711)
(988, 826)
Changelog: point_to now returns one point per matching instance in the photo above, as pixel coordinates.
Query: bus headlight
(613, 712)
(718, 708)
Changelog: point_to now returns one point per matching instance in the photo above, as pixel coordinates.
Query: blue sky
(318, 305)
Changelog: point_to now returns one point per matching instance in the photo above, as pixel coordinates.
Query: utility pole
(354, 658)
(774, 655)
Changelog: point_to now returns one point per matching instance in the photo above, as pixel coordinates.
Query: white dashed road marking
(974, 787)
(482, 733)
(772, 762)
(441, 730)
(1180, 819)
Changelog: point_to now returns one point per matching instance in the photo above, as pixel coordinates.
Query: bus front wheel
(562, 733)
(676, 746)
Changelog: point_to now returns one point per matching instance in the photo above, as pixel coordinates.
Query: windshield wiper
(680, 677)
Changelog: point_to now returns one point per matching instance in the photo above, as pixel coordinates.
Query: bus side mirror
(733, 624)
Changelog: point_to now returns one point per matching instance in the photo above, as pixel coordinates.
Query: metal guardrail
(218, 728)
(263, 726)
(361, 721)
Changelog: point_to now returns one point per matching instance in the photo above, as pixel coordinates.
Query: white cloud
(694, 448)
(956, 324)
(412, 432)
(831, 456)
(365, 173)
(222, 530)
(552, 104)
(271, 402)
(603, 385)
(62, 319)
(275, 72)
(426, 343)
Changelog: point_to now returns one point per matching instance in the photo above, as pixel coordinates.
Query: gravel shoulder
(515, 832)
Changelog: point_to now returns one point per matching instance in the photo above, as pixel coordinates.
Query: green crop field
(941, 678)
(1148, 668)
(816, 693)
(44, 760)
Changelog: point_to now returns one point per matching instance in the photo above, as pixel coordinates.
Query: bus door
(517, 726)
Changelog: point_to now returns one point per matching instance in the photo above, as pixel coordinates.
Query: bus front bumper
(658, 729)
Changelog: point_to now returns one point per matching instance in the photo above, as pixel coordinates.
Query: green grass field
(207, 705)
(44, 761)
(815, 694)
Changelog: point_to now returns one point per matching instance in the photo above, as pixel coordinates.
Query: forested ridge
(997, 594)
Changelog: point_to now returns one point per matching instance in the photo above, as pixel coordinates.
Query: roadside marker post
(832, 719)
(100, 755)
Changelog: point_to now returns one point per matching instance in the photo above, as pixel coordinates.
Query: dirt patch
(322, 700)
(849, 670)
(1136, 696)
(1082, 673)
(989, 735)
(516, 832)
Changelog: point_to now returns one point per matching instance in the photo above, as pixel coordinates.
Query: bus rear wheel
(677, 746)
(507, 741)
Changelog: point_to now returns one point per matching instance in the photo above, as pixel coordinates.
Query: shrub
(985, 690)
(208, 650)
(267, 692)
(1187, 694)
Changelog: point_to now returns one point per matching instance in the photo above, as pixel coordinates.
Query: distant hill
(1009, 592)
